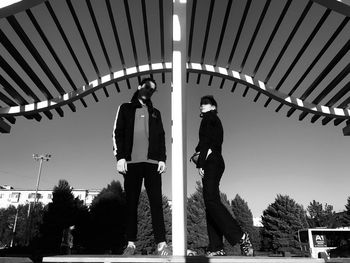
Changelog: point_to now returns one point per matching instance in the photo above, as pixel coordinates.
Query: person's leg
(222, 222)
(153, 185)
(210, 191)
(215, 235)
(132, 187)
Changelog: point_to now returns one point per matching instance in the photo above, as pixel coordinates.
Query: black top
(124, 132)
(211, 136)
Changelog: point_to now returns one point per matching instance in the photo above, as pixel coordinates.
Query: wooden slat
(86, 45)
(286, 45)
(272, 36)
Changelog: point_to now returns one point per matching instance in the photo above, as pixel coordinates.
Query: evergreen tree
(82, 230)
(146, 243)
(58, 215)
(104, 231)
(281, 220)
(7, 218)
(14, 224)
(319, 216)
(346, 216)
(243, 214)
(29, 220)
(244, 218)
(197, 238)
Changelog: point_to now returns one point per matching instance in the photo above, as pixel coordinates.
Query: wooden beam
(178, 130)
(340, 6)
(4, 127)
(346, 129)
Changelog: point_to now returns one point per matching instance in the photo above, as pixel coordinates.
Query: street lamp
(40, 158)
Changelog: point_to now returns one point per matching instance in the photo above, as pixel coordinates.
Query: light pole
(40, 158)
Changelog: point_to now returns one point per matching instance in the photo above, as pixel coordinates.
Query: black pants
(219, 220)
(153, 184)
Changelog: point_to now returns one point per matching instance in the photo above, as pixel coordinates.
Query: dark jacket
(123, 133)
(211, 135)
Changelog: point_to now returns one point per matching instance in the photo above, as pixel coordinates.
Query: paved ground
(176, 259)
(15, 260)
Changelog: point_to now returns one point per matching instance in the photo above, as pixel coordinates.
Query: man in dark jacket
(139, 147)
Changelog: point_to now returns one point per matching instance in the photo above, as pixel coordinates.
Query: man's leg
(153, 185)
(132, 187)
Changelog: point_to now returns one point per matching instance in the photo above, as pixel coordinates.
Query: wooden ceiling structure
(293, 54)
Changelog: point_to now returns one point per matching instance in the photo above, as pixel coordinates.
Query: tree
(7, 218)
(104, 230)
(197, 238)
(29, 220)
(243, 214)
(146, 242)
(346, 216)
(59, 214)
(281, 220)
(14, 224)
(319, 216)
(244, 218)
(81, 232)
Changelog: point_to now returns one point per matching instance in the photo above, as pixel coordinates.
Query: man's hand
(122, 166)
(201, 172)
(161, 167)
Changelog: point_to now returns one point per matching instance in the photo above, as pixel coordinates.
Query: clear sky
(265, 152)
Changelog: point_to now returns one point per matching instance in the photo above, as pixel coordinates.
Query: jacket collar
(137, 104)
(209, 113)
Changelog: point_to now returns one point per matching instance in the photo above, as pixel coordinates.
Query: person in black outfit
(139, 147)
(211, 167)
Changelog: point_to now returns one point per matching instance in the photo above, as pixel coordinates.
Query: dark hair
(145, 80)
(208, 99)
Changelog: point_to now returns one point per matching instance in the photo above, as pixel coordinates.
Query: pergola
(54, 54)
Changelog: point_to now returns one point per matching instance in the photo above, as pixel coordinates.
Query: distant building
(5, 186)
(11, 196)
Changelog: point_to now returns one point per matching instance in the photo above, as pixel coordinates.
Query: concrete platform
(174, 259)
(339, 260)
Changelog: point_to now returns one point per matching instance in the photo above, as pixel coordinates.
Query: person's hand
(161, 167)
(122, 166)
(201, 172)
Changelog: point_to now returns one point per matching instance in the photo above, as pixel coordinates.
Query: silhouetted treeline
(99, 229)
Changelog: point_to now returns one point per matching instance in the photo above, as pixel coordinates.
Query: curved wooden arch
(85, 90)
(196, 68)
(260, 86)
